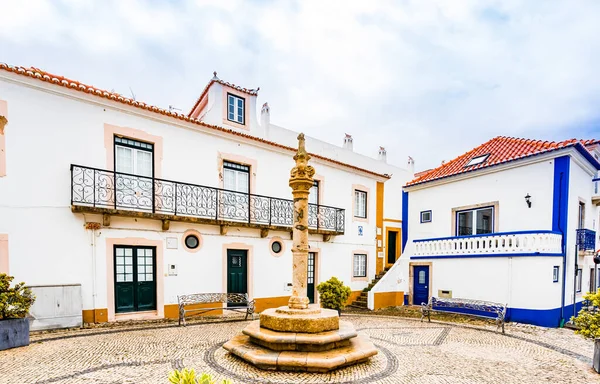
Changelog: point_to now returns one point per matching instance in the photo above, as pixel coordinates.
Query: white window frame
(234, 104)
(313, 196)
(237, 170)
(578, 280)
(477, 160)
(555, 274)
(474, 218)
(135, 147)
(357, 206)
(357, 268)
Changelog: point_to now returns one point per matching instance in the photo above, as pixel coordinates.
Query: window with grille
(360, 265)
(360, 204)
(236, 177)
(133, 157)
(235, 109)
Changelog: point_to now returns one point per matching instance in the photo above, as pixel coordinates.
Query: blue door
(420, 285)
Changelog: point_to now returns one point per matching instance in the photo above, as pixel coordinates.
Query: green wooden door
(310, 275)
(237, 272)
(135, 278)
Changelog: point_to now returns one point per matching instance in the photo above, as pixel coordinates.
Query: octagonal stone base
(304, 342)
(360, 348)
(311, 320)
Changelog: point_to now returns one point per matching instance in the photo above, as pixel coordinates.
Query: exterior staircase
(361, 302)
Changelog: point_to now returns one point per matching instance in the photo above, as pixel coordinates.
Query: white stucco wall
(522, 282)
(52, 127)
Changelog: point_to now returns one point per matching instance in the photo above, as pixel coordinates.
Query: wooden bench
(240, 302)
(451, 305)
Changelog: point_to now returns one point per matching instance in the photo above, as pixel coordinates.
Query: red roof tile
(500, 149)
(75, 85)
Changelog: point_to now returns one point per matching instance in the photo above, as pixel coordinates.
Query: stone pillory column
(301, 180)
(297, 337)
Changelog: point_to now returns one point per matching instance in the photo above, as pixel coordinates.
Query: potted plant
(333, 294)
(14, 305)
(588, 324)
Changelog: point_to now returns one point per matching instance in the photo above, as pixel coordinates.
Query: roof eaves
(408, 185)
(77, 86)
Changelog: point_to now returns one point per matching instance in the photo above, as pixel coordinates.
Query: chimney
(382, 155)
(348, 142)
(411, 165)
(265, 119)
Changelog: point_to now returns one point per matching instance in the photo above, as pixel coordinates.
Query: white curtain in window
(360, 265)
(235, 180)
(313, 196)
(124, 160)
(360, 206)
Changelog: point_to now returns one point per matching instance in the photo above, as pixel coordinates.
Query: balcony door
(234, 201)
(134, 164)
(135, 278)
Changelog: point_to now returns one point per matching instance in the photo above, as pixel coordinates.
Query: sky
(429, 79)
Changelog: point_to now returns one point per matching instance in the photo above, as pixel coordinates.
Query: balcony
(586, 240)
(113, 193)
(528, 243)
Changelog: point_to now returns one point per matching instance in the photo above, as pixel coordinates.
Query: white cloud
(428, 79)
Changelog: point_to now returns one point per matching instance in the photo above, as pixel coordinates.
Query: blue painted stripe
(543, 317)
(489, 234)
(486, 255)
(560, 211)
(404, 219)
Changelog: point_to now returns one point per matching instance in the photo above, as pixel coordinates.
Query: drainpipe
(93, 244)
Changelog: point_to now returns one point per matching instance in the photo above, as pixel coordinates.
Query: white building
(501, 223)
(111, 208)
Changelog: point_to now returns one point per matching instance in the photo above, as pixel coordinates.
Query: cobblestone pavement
(410, 352)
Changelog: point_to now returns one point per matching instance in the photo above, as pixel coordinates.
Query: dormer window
(235, 109)
(477, 160)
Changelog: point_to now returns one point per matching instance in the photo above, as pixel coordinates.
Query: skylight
(477, 160)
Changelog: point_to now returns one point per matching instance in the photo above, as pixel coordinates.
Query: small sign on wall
(380, 255)
(172, 270)
(379, 243)
(360, 230)
(378, 231)
(171, 243)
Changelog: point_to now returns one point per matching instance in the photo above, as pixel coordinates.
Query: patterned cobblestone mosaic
(410, 352)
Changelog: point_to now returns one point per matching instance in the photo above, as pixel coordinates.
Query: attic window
(477, 160)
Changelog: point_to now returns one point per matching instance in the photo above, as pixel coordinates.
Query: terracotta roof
(499, 150)
(75, 85)
(419, 174)
(215, 79)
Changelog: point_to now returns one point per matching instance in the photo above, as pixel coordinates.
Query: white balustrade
(544, 242)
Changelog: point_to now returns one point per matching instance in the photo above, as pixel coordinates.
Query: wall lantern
(528, 200)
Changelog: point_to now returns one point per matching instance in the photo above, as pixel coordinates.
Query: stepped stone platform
(312, 340)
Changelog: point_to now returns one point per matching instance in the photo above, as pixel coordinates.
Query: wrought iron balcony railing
(586, 239)
(98, 188)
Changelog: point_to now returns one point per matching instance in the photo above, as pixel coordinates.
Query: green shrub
(333, 293)
(14, 302)
(188, 376)
(589, 322)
